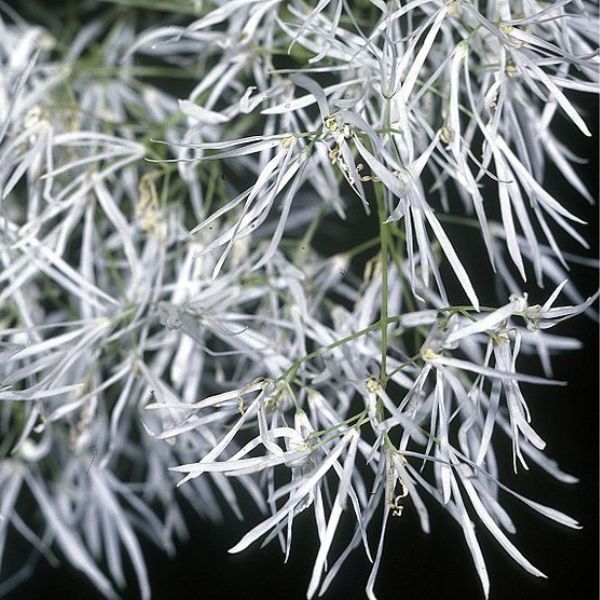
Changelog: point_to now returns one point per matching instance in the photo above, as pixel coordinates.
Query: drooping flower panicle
(168, 323)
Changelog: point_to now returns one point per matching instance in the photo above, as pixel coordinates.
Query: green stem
(291, 372)
(385, 240)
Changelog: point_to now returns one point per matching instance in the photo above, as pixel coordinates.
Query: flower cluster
(167, 308)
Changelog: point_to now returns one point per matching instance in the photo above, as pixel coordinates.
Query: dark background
(416, 565)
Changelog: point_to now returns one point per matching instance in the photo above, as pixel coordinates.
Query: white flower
(181, 297)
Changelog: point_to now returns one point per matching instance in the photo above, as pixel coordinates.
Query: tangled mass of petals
(172, 333)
